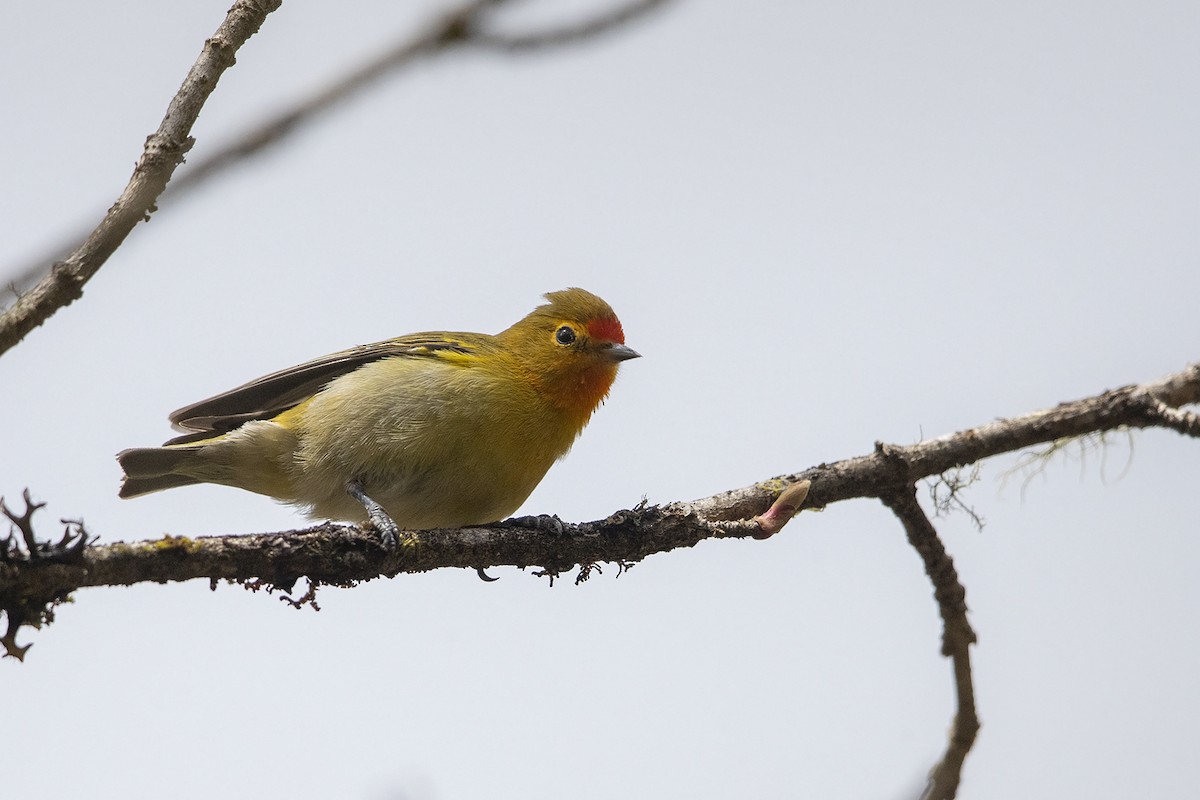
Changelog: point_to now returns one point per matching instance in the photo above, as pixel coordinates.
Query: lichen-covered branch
(337, 553)
(27, 605)
(1150, 405)
(163, 152)
(34, 580)
(345, 553)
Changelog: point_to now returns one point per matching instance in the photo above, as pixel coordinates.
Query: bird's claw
(389, 532)
(384, 525)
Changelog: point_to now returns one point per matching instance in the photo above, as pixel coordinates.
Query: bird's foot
(384, 525)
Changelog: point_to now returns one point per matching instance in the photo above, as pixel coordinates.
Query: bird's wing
(273, 394)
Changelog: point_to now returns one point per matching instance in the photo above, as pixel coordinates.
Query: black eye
(564, 335)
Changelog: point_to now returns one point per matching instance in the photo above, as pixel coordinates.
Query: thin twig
(163, 152)
(957, 637)
(568, 33)
(443, 31)
(464, 24)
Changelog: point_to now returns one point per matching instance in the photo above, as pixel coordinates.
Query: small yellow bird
(431, 430)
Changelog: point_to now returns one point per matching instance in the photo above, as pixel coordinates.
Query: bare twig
(440, 33)
(957, 637)
(569, 33)
(461, 25)
(163, 152)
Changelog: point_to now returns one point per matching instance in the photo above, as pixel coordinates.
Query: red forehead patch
(606, 328)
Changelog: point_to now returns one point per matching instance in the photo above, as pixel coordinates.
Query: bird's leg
(387, 527)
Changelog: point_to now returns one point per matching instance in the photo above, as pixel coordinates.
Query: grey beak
(619, 352)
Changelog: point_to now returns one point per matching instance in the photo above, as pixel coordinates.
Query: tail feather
(150, 469)
(135, 487)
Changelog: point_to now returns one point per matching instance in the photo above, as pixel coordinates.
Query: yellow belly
(436, 444)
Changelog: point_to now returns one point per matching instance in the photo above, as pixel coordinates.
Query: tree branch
(440, 33)
(462, 25)
(465, 25)
(345, 553)
(34, 581)
(569, 33)
(163, 152)
(957, 637)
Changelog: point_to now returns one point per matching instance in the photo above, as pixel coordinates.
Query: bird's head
(570, 347)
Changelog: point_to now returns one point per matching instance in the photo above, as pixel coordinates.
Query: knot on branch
(897, 465)
(163, 152)
(68, 282)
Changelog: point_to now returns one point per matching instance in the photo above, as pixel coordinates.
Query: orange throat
(580, 392)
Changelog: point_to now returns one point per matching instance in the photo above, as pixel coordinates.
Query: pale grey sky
(823, 224)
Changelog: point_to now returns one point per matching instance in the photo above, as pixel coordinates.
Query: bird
(430, 430)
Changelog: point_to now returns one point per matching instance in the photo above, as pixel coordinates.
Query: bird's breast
(438, 445)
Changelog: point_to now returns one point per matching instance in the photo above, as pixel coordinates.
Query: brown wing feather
(273, 394)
